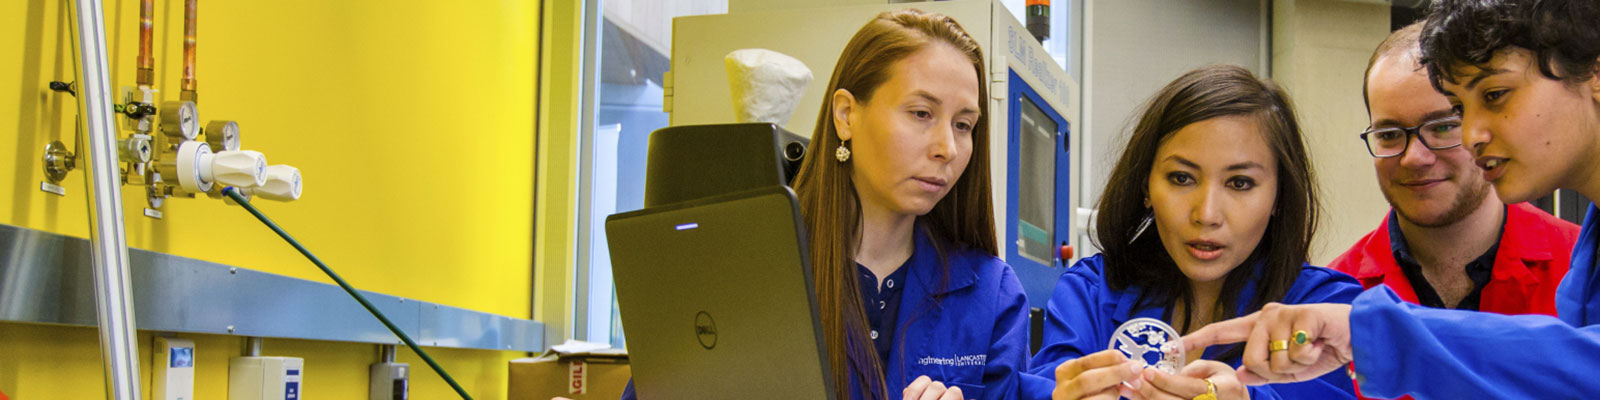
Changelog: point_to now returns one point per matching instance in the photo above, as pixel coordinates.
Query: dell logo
(706, 330)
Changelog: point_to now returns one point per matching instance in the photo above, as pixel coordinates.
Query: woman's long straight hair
(964, 218)
(1132, 258)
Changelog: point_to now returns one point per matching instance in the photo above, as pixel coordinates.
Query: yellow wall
(412, 122)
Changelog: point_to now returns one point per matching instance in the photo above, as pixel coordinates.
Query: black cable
(233, 193)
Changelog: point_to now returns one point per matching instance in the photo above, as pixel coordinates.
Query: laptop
(716, 299)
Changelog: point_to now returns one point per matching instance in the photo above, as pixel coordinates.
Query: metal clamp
(67, 87)
(58, 161)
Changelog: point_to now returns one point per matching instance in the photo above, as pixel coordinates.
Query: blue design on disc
(1150, 342)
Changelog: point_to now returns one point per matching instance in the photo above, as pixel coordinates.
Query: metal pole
(113, 298)
(386, 353)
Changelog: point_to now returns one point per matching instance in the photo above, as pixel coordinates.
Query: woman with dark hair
(897, 205)
(1208, 215)
(1525, 77)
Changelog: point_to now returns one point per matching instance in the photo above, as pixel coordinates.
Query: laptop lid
(716, 299)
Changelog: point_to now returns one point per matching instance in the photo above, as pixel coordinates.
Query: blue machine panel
(1038, 182)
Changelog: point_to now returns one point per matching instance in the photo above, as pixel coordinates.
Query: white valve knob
(239, 168)
(198, 167)
(283, 184)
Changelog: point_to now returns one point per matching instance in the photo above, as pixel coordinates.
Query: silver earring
(1143, 225)
(843, 154)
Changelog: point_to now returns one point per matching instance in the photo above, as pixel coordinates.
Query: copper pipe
(188, 50)
(147, 13)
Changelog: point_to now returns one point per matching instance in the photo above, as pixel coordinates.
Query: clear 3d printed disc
(1150, 342)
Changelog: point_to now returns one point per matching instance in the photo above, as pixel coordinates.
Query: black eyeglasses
(1439, 134)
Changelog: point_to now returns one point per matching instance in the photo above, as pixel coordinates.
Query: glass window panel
(1037, 184)
(635, 41)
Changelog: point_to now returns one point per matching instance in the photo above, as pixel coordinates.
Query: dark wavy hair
(1132, 258)
(1564, 36)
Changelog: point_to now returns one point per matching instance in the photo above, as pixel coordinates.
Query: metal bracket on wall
(45, 278)
(58, 161)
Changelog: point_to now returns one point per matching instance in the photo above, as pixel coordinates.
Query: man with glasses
(1448, 241)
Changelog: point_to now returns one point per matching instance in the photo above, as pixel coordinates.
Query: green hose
(234, 194)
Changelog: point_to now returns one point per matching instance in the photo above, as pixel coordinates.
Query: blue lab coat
(969, 329)
(1084, 311)
(1428, 353)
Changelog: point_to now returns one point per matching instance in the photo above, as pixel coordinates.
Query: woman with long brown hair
(896, 201)
(1208, 215)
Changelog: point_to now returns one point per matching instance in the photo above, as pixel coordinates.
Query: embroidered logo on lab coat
(955, 360)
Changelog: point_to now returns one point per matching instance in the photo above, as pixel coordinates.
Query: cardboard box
(577, 377)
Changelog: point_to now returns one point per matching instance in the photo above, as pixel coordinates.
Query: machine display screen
(1037, 186)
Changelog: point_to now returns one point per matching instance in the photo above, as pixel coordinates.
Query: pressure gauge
(180, 119)
(222, 135)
